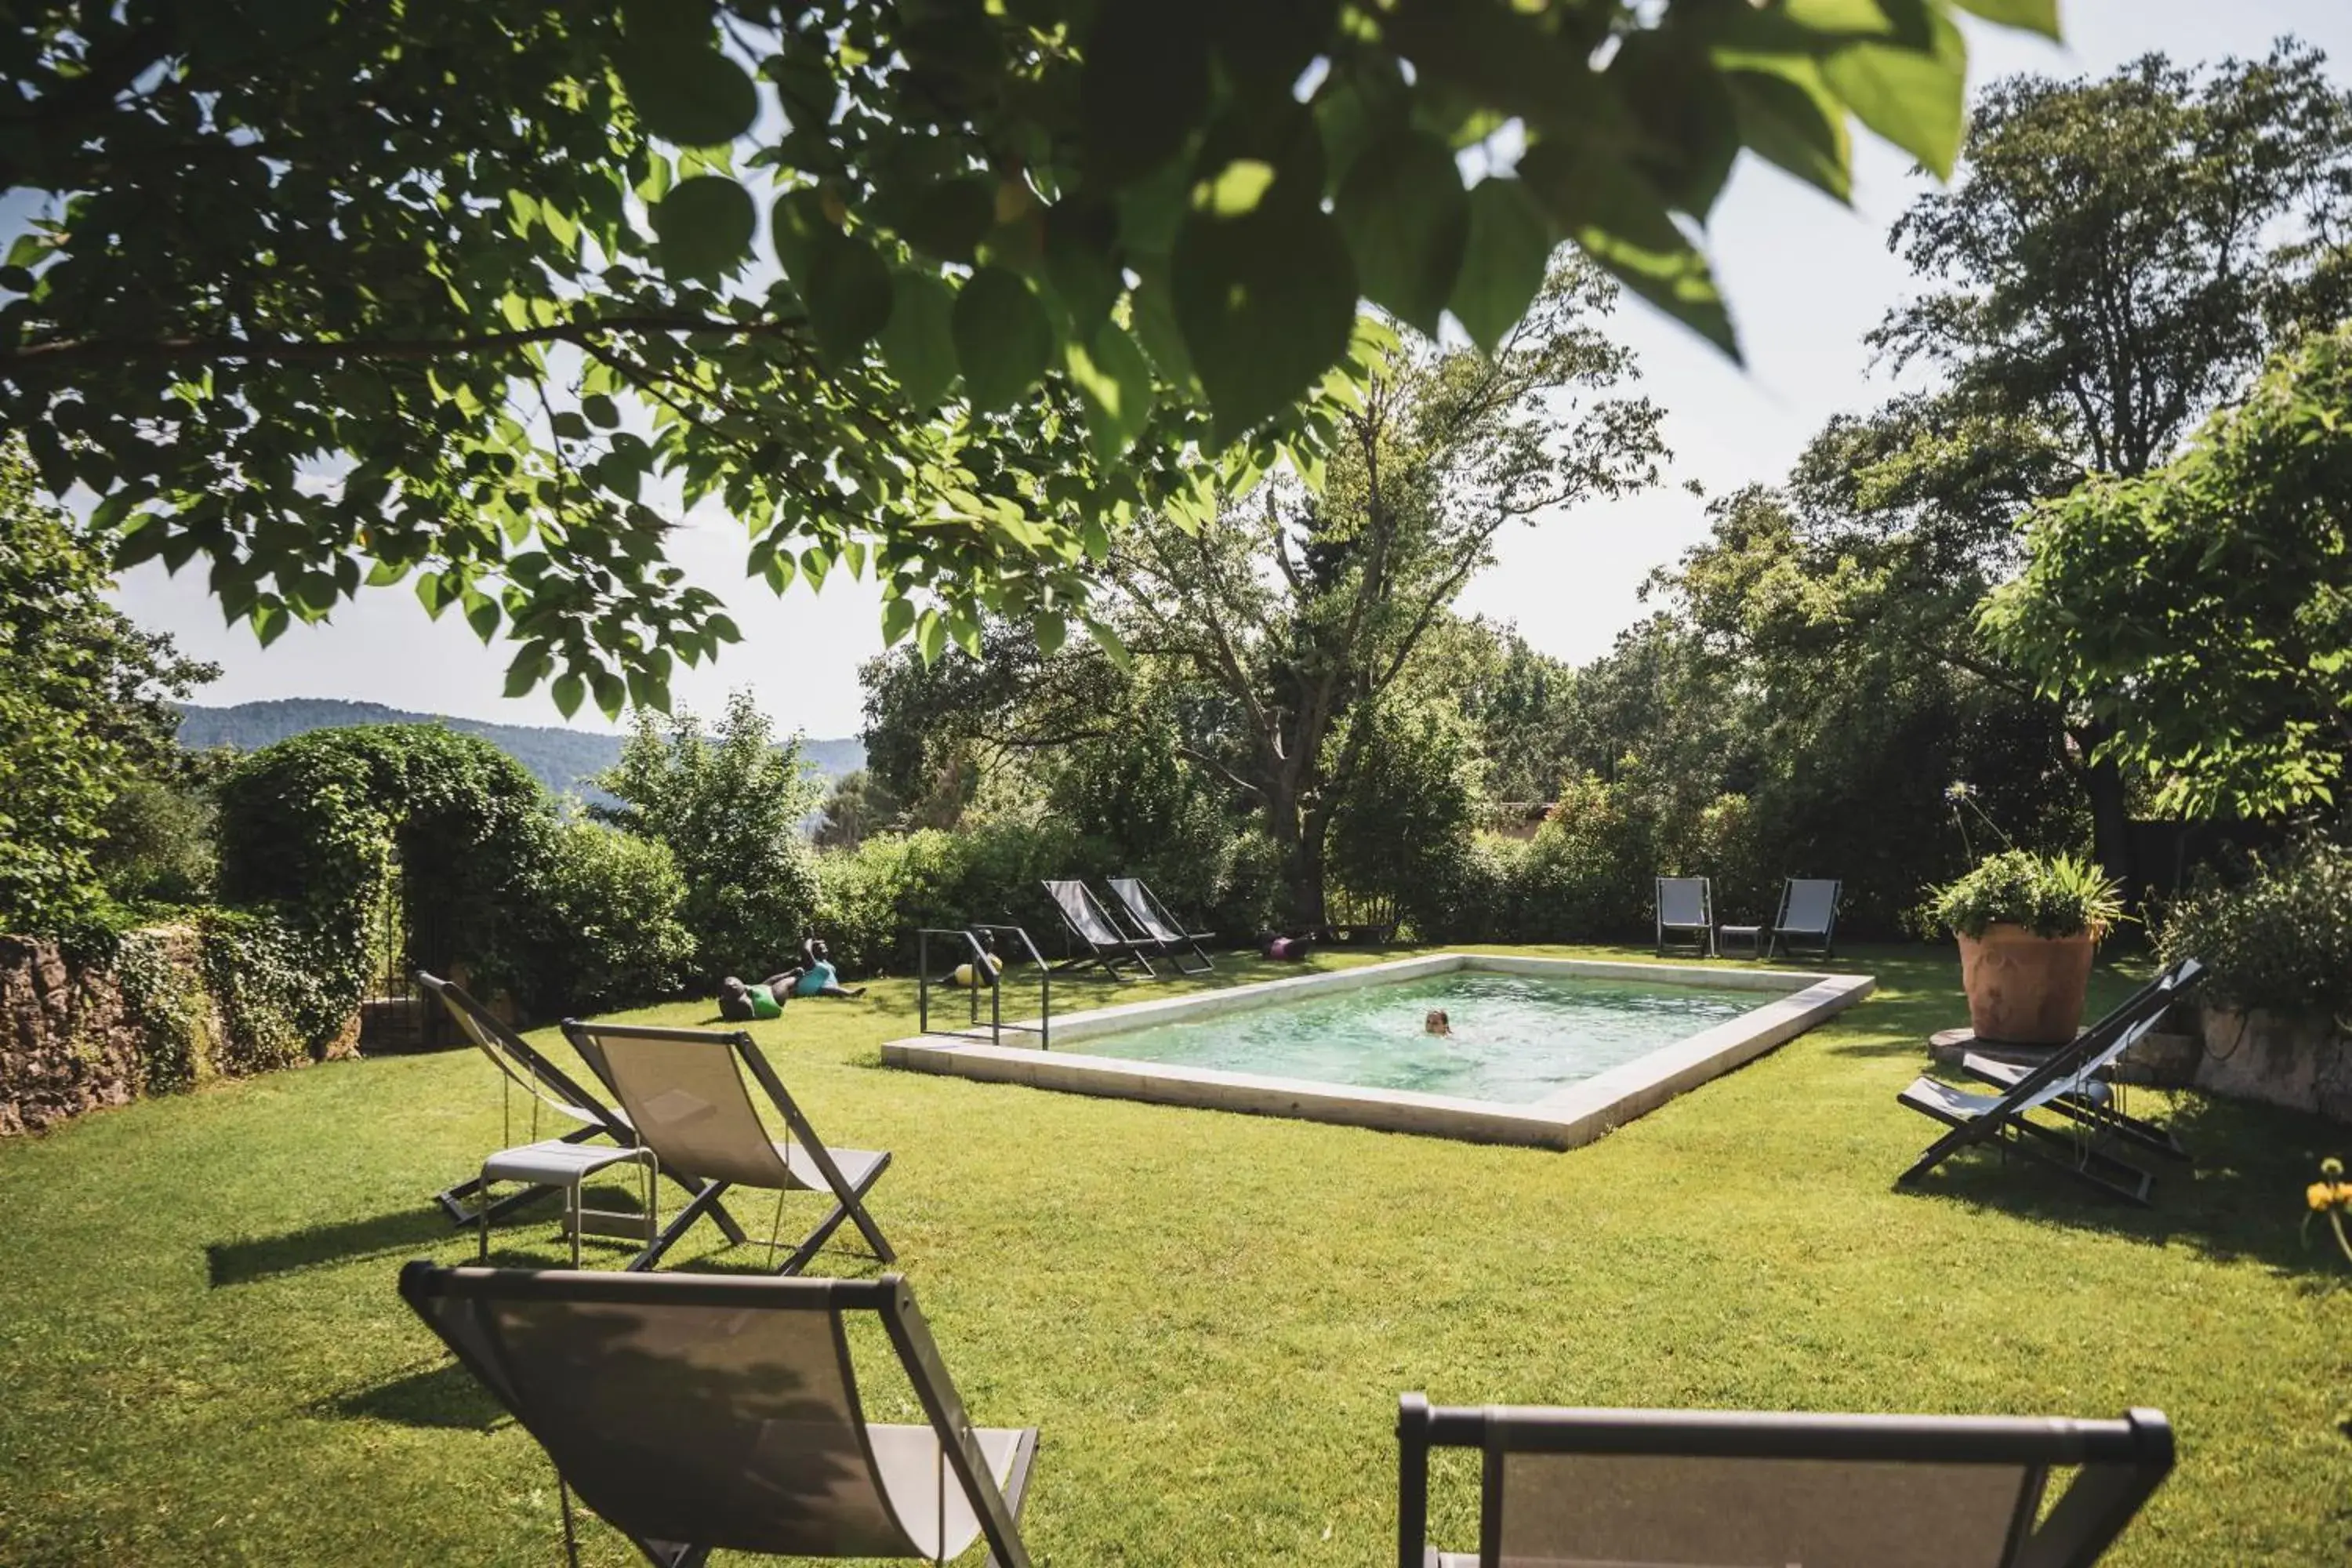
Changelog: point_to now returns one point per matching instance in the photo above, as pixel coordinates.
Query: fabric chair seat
(910, 1463)
(552, 1163)
(855, 1166)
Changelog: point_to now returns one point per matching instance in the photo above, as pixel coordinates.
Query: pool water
(1515, 1039)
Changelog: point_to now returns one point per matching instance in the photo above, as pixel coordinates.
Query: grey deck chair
(1686, 915)
(1107, 946)
(1808, 916)
(549, 1086)
(2064, 1084)
(701, 1413)
(1687, 1489)
(1150, 917)
(687, 1096)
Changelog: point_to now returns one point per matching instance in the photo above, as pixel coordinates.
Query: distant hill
(560, 759)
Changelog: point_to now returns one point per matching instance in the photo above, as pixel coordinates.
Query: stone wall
(77, 1036)
(2301, 1063)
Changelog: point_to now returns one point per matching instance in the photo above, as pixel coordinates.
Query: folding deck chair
(546, 1166)
(1150, 917)
(1808, 916)
(1686, 914)
(2068, 1084)
(686, 1095)
(696, 1413)
(1687, 1489)
(1106, 945)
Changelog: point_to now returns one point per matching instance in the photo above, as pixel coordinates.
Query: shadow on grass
(444, 1395)
(401, 1232)
(2242, 1200)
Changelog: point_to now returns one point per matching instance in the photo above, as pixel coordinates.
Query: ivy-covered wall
(154, 1011)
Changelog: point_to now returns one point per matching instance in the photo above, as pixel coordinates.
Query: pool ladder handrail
(994, 965)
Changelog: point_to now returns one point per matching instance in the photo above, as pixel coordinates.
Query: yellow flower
(2321, 1195)
(2344, 1194)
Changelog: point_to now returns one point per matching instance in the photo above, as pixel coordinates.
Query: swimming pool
(1545, 1051)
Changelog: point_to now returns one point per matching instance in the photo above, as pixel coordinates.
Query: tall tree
(484, 294)
(86, 703)
(2114, 259)
(1303, 608)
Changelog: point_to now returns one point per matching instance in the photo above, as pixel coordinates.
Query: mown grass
(1209, 1316)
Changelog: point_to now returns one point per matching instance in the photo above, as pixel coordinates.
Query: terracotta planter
(2023, 989)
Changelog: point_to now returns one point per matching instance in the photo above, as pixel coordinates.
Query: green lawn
(1209, 1316)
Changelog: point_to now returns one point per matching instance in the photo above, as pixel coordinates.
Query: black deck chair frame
(1090, 923)
(524, 1068)
(2119, 1465)
(1149, 916)
(696, 1413)
(734, 1149)
(1807, 917)
(1686, 911)
(2004, 1122)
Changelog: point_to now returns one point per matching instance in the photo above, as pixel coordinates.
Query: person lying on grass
(813, 976)
(817, 976)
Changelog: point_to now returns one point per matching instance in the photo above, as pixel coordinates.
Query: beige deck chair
(1684, 1488)
(698, 1413)
(688, 1099)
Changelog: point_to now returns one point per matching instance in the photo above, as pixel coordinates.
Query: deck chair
(2065, 1083)
(1150, 917)
(550, 1088)
(1108, 947)
(687, 1097)
(1686, 1488)
(1808, 916)
(696, 1413)
(1686, 915)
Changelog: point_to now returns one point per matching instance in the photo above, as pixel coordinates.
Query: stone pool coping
(1570, 1116)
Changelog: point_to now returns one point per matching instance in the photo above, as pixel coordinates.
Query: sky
(1805, 279)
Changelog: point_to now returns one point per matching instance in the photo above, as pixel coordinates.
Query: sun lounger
(696, 1413)
(1685, 916)
(1108, 947)
(1149, 916)
(2066, 1084)
(685, 1094)
(1682, 1489)
(1807, 917)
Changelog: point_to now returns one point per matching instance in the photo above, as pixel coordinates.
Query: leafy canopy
(486, 295)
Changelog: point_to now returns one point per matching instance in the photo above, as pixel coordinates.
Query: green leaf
(1788, 114)
(918, 340)
(848, 295)
(2040, 15)
(1153, 307)
(1052, 630)
(528, 668)
(1508, 246)
(683, 89)
(612, 695)
(600, 410)
(1689, 126)
(482, 615)
(1407, 221)
(269, 623)
(930, 636)
(949, 220)
(1144, 87)
(1915, 96)
(1266, 302)
(1114, 386)
(897, 619)
(1003, 338)
(797, 223)
(1623, 225)
(704, 226)
(568, 425)
(568, 692)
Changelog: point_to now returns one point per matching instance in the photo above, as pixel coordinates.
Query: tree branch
(317, 350)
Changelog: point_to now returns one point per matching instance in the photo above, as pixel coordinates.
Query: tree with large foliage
(486, 294)
(2207, 607)
(86, 704)
(1303, 606)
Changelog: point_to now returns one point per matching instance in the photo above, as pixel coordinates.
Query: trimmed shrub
(2049, 895)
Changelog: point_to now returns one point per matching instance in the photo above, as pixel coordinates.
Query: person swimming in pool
(817, 976)
(1437, 1023)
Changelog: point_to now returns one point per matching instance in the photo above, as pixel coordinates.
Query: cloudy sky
(1805, 279)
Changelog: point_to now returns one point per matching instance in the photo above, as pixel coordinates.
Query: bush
(609, 902)
(1406, 818)
(158, 846)
(2281, 942)
(2049, 895)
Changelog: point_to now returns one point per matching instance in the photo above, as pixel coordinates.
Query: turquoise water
(1514, 1039)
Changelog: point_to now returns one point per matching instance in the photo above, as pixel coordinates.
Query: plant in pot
(2028, 925)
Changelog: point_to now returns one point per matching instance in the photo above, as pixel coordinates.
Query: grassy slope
(1209, 1316)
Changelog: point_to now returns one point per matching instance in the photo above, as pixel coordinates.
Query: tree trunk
(2111, 843)
(1300, 840)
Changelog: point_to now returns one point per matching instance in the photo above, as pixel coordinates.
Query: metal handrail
(1044, 984)
(983, 962)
